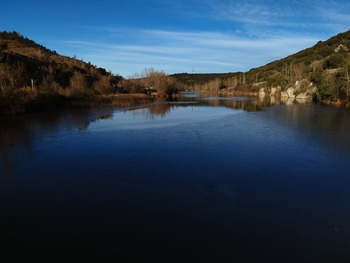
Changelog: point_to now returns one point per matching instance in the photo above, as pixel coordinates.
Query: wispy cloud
(180, 51)
(254, 12)
(335, 15)
(260, 18)
(254, 34)
(212, 36)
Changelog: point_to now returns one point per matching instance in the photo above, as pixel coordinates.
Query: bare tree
(158, 80)
(11, 76)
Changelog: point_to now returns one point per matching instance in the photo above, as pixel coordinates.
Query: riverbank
(306, 96)
(45, 102)
(336, 103)
(113, 100)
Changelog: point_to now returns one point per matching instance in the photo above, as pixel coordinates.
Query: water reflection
(238, 103)
(21, 132)
(108, 182)
(159, 109)
(326, 125)
(190, 99)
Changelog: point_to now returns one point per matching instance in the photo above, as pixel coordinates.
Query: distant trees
(211, 86)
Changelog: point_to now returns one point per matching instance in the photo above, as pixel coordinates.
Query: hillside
(33, 77)
(325, 66)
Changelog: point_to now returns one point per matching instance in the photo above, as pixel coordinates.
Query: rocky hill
(321, 71)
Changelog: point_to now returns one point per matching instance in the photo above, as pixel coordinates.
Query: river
(198, 179)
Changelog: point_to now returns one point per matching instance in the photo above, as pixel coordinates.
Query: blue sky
(127, 36)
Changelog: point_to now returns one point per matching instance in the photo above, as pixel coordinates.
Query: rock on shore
(301, 91)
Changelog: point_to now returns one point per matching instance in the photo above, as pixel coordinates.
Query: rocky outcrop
(275, 91)
(301, 91)
(289, 93)
(262, 92)
(340, 47)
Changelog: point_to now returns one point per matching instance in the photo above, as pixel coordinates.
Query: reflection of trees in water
(330, 126)
(12, 134)
(246, 104)
(159, 109)
(22, 131)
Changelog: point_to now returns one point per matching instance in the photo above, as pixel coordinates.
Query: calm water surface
(193, 180)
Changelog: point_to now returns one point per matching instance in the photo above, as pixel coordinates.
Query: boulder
(275, 91)
(289, 93)
(297, 84)
(262, 92)
(284, 94)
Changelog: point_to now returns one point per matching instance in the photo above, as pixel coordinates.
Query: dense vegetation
(326, 65)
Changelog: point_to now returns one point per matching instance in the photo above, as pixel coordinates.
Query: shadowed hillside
(33, 77)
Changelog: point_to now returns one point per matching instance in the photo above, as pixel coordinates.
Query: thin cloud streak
(178, 51)
(254, 13)
(316, 17)
(175, 36)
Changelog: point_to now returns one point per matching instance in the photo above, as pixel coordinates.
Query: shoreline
(48, 103)
(121, 100)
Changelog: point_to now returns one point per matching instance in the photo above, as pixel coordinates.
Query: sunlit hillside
(326, 66)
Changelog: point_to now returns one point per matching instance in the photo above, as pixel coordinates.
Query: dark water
(193, 180)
